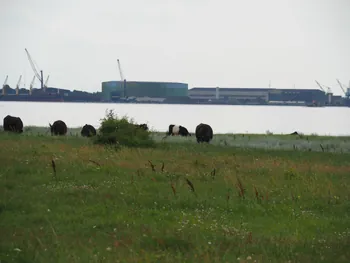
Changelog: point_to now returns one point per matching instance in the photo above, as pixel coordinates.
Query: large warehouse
(228, 93)
(258, 95)
(115, 89)
(302, 95)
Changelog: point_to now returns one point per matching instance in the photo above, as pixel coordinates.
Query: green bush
(123, 132)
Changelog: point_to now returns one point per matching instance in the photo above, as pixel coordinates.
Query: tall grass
(65, 199)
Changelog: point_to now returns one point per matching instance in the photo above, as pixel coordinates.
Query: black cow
(88, 131)
(58, 128)
(143, 126)
(204, 133)
(177, 130)
(13, 124)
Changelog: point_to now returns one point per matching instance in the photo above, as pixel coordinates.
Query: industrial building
(258, 95)
(307, 96)
(113, 90)
(229, 95)
(169, 92)
(50, 94)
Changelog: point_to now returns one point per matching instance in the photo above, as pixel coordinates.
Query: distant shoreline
(196, 104)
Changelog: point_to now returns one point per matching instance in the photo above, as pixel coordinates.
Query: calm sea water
(223, 119)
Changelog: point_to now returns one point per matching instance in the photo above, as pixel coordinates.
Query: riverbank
(178, 202)
(313, 142)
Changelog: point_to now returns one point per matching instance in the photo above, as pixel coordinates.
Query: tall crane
(17, 86)
(41, 76)
(47, 80)
(328, 93)
(347, 94)
(123, 80)
(31, 85)
(3, 85)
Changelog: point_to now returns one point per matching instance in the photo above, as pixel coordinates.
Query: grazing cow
(58, 128)
(13, 124)
(88, 131)
(143, 126)
(204, 133)
(177, 130)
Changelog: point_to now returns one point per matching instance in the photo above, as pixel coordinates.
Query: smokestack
(124, 88)
(4, 85)
(330, 98)
(217, 93)
(42, 80)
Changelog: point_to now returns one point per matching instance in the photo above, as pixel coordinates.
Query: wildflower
(108, 249)
(249, 258)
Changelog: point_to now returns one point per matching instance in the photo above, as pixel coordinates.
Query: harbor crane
(40, 76)
(4, 85)
(347, 94)
(123, 80)
(328, 93)
(47, 80)
(31, 85)
(17, 86)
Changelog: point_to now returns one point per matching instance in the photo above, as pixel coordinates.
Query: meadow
(241, 198)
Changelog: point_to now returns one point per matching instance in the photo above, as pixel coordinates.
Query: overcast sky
(225, 43)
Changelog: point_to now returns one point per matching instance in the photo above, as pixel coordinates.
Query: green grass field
(255, 198)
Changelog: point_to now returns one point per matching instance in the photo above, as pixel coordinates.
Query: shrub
(122, 131)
